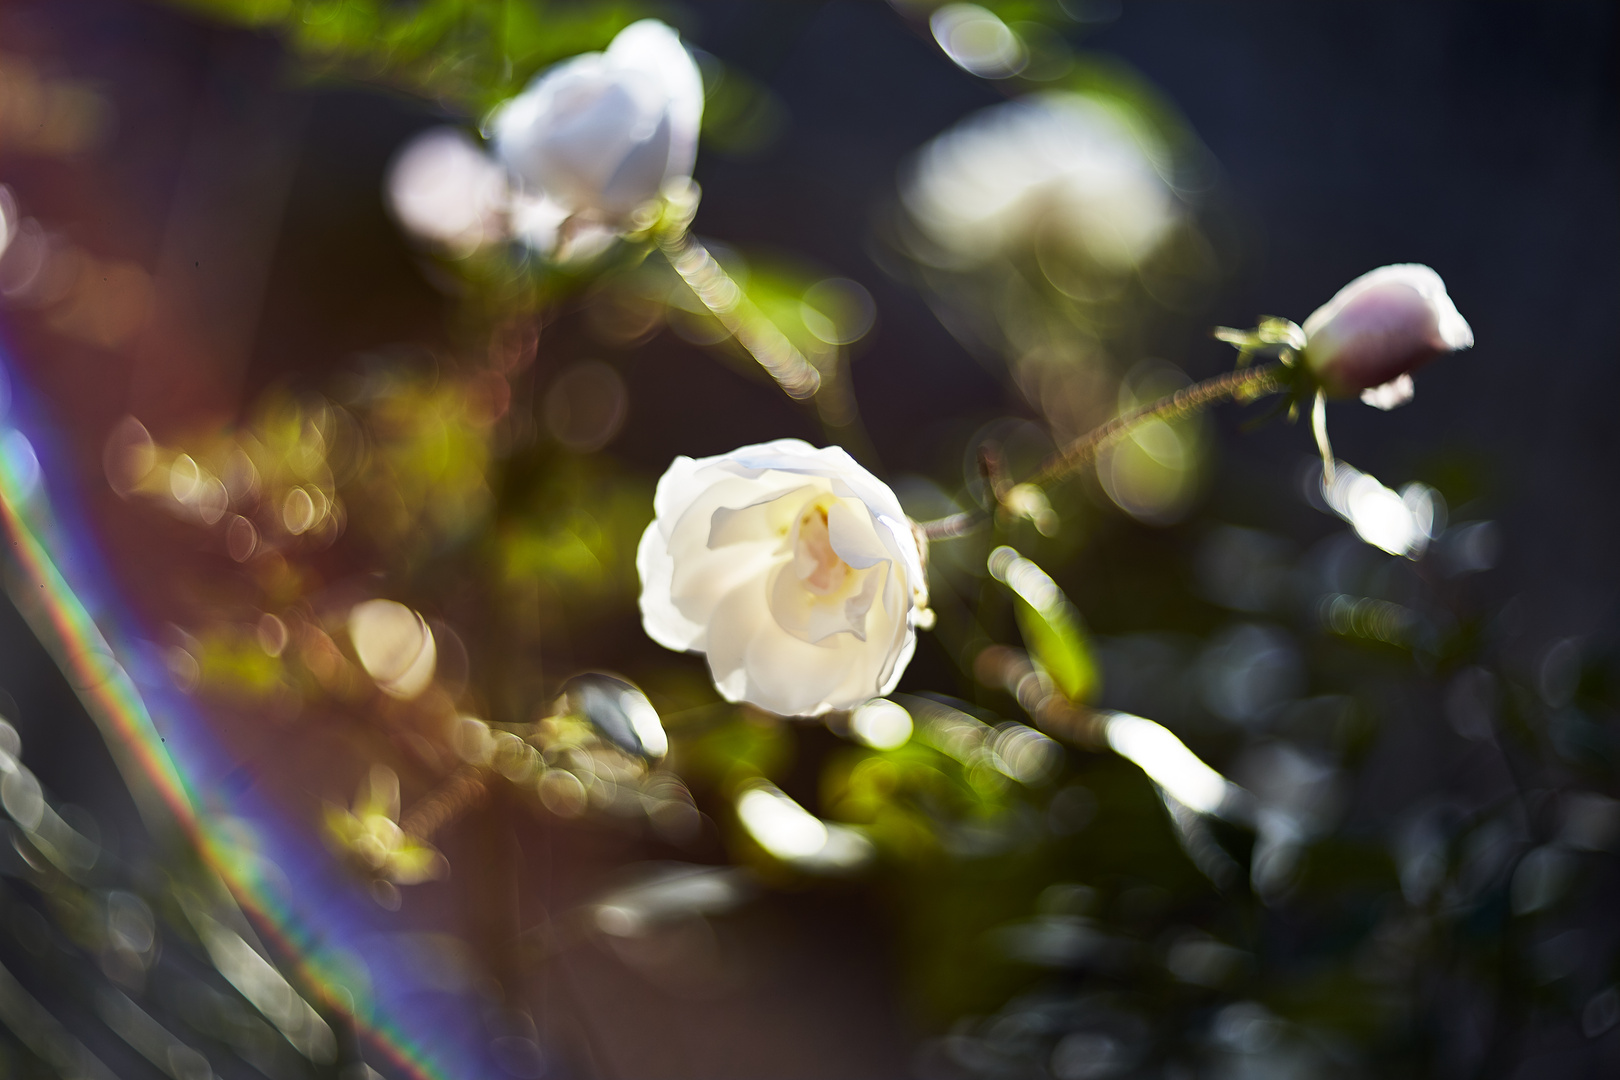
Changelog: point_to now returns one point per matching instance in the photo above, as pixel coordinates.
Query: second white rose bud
(1376, 330)
(591, 140)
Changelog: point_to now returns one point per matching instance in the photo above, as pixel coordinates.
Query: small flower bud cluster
(591, 141)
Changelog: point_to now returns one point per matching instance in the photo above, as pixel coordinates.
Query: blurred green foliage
(467, 53)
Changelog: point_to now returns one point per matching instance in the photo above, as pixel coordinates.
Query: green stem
(1251, 382)
(726, 301)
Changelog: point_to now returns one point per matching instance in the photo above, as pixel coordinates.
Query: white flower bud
(792, 568)
(1380, 327)
(602, 133)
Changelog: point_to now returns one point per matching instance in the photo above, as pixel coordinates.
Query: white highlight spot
(644, 720)
(881, 724)
(978, 41)
(1401, 523)
(1167, 761)
(791, 833)
(394, 645)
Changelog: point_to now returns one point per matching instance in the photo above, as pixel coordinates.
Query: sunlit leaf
(1049, 623)
(752, 745)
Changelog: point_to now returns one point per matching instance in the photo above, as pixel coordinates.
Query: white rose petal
(602, 133)
(792, 568)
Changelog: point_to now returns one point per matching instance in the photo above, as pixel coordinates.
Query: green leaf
(1049, 623)
(751, 745)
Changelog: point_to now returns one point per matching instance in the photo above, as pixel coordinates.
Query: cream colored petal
(814, 618)
(719, 575)
(677, 489)
(753, 659)
(767, 516)
(908, 646)
(854, 534)
(891, 623)
(846, 476)
(901, 541)
(660, 617)
(705, 578)
(702, 574)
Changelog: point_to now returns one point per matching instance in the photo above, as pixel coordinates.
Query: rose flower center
(814, 560)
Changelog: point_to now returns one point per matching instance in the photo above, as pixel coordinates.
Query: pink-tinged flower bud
(1368, 339)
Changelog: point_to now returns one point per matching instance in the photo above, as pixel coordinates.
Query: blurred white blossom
(794, 569)
(446, 190)
(1055, 161)
(591, 139)
(602, 133)
(1368, 339)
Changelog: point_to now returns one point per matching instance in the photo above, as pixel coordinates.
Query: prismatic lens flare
(174, 767)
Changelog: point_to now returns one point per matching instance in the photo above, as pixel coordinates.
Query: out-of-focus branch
(727, 302)
(463, 790)
(1242, 384)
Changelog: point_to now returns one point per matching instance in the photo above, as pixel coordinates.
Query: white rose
(1377, 329)
(602, 133)
(792, 568)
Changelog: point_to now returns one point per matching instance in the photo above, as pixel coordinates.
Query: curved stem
(1319, 429)
(1244, 382)
(1249, 383)
(463, 790)
(726, 301)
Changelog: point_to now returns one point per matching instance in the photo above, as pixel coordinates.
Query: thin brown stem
(993, 467)
(464, 789)
(948, 528)
(1244, 383)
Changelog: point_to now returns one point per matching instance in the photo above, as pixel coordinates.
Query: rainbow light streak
(302, 901)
